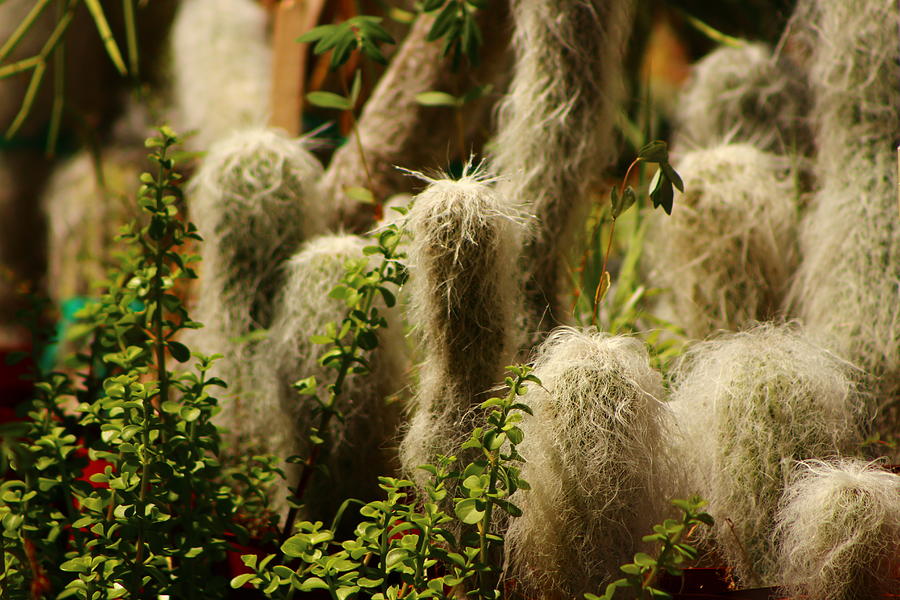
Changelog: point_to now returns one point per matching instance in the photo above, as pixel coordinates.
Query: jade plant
(115, 489)
(420, 541)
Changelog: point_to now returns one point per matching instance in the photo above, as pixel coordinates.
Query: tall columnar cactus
(839, 532)
(556, 129)
(357, 450)
(85, 203)
(221, 67)
(745, 95)
(253, 201)
(593, 461)
(748, 405)
(726, 255)
(847, 288)
(466, 240)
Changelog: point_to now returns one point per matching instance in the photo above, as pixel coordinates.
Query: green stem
(493, 458)
(603, 274)
(362, 155)
(663, 558)
(4, 592)
(22, 28)
(486, 524)
(59, 92)
(419, 576)
(142, 501)
(40, 66)
(131, 39)
(383, 549)
(344, 369)
(162, 374)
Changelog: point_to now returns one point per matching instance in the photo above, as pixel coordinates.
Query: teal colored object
(68, 310)
(68, 317)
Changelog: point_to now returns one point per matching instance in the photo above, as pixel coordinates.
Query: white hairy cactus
(593, 453)
(253, 200)
(726, 254)
(847, 287)
(839, 531)
(556, 129)
(221, 67)
(463, 272)
(748, 406)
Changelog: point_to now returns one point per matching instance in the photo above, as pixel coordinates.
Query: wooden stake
(293, 18)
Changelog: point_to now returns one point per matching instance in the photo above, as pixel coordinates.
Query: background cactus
(839, 531)
(846, 291)
(561, 103)
(747, 406)
(254, 201)
(727, 253)
(214, 101)
(746, 95)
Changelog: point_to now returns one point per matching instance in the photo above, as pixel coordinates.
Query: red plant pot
(14, 387)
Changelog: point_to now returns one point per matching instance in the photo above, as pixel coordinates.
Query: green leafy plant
(362, 33)
(673, 554)
(119, 492)
(348, 342)
(456, 22)
(54, 49)
(660, 192)
(409, 545)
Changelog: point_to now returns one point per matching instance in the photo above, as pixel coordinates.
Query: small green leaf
(672, 176)
(295, 546)
(157, 228)
(367, 339)
(80, 564)
(355, 88)
(644, 560)
(329, 100)
(241, 580)
(661, 193)
(602, 288)
(508, 507)
(179, 351)
(655, 152)
(313, 583)
(476, 92)
(306, 387)
(443, 23)
(704, 518)
(360, 194)
(435, 98)
(620, 204)
(316, 34)
(402, 16)
(345, 592)
(515, 435)
(468, 512)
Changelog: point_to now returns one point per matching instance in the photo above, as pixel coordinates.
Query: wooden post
(293, 18)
